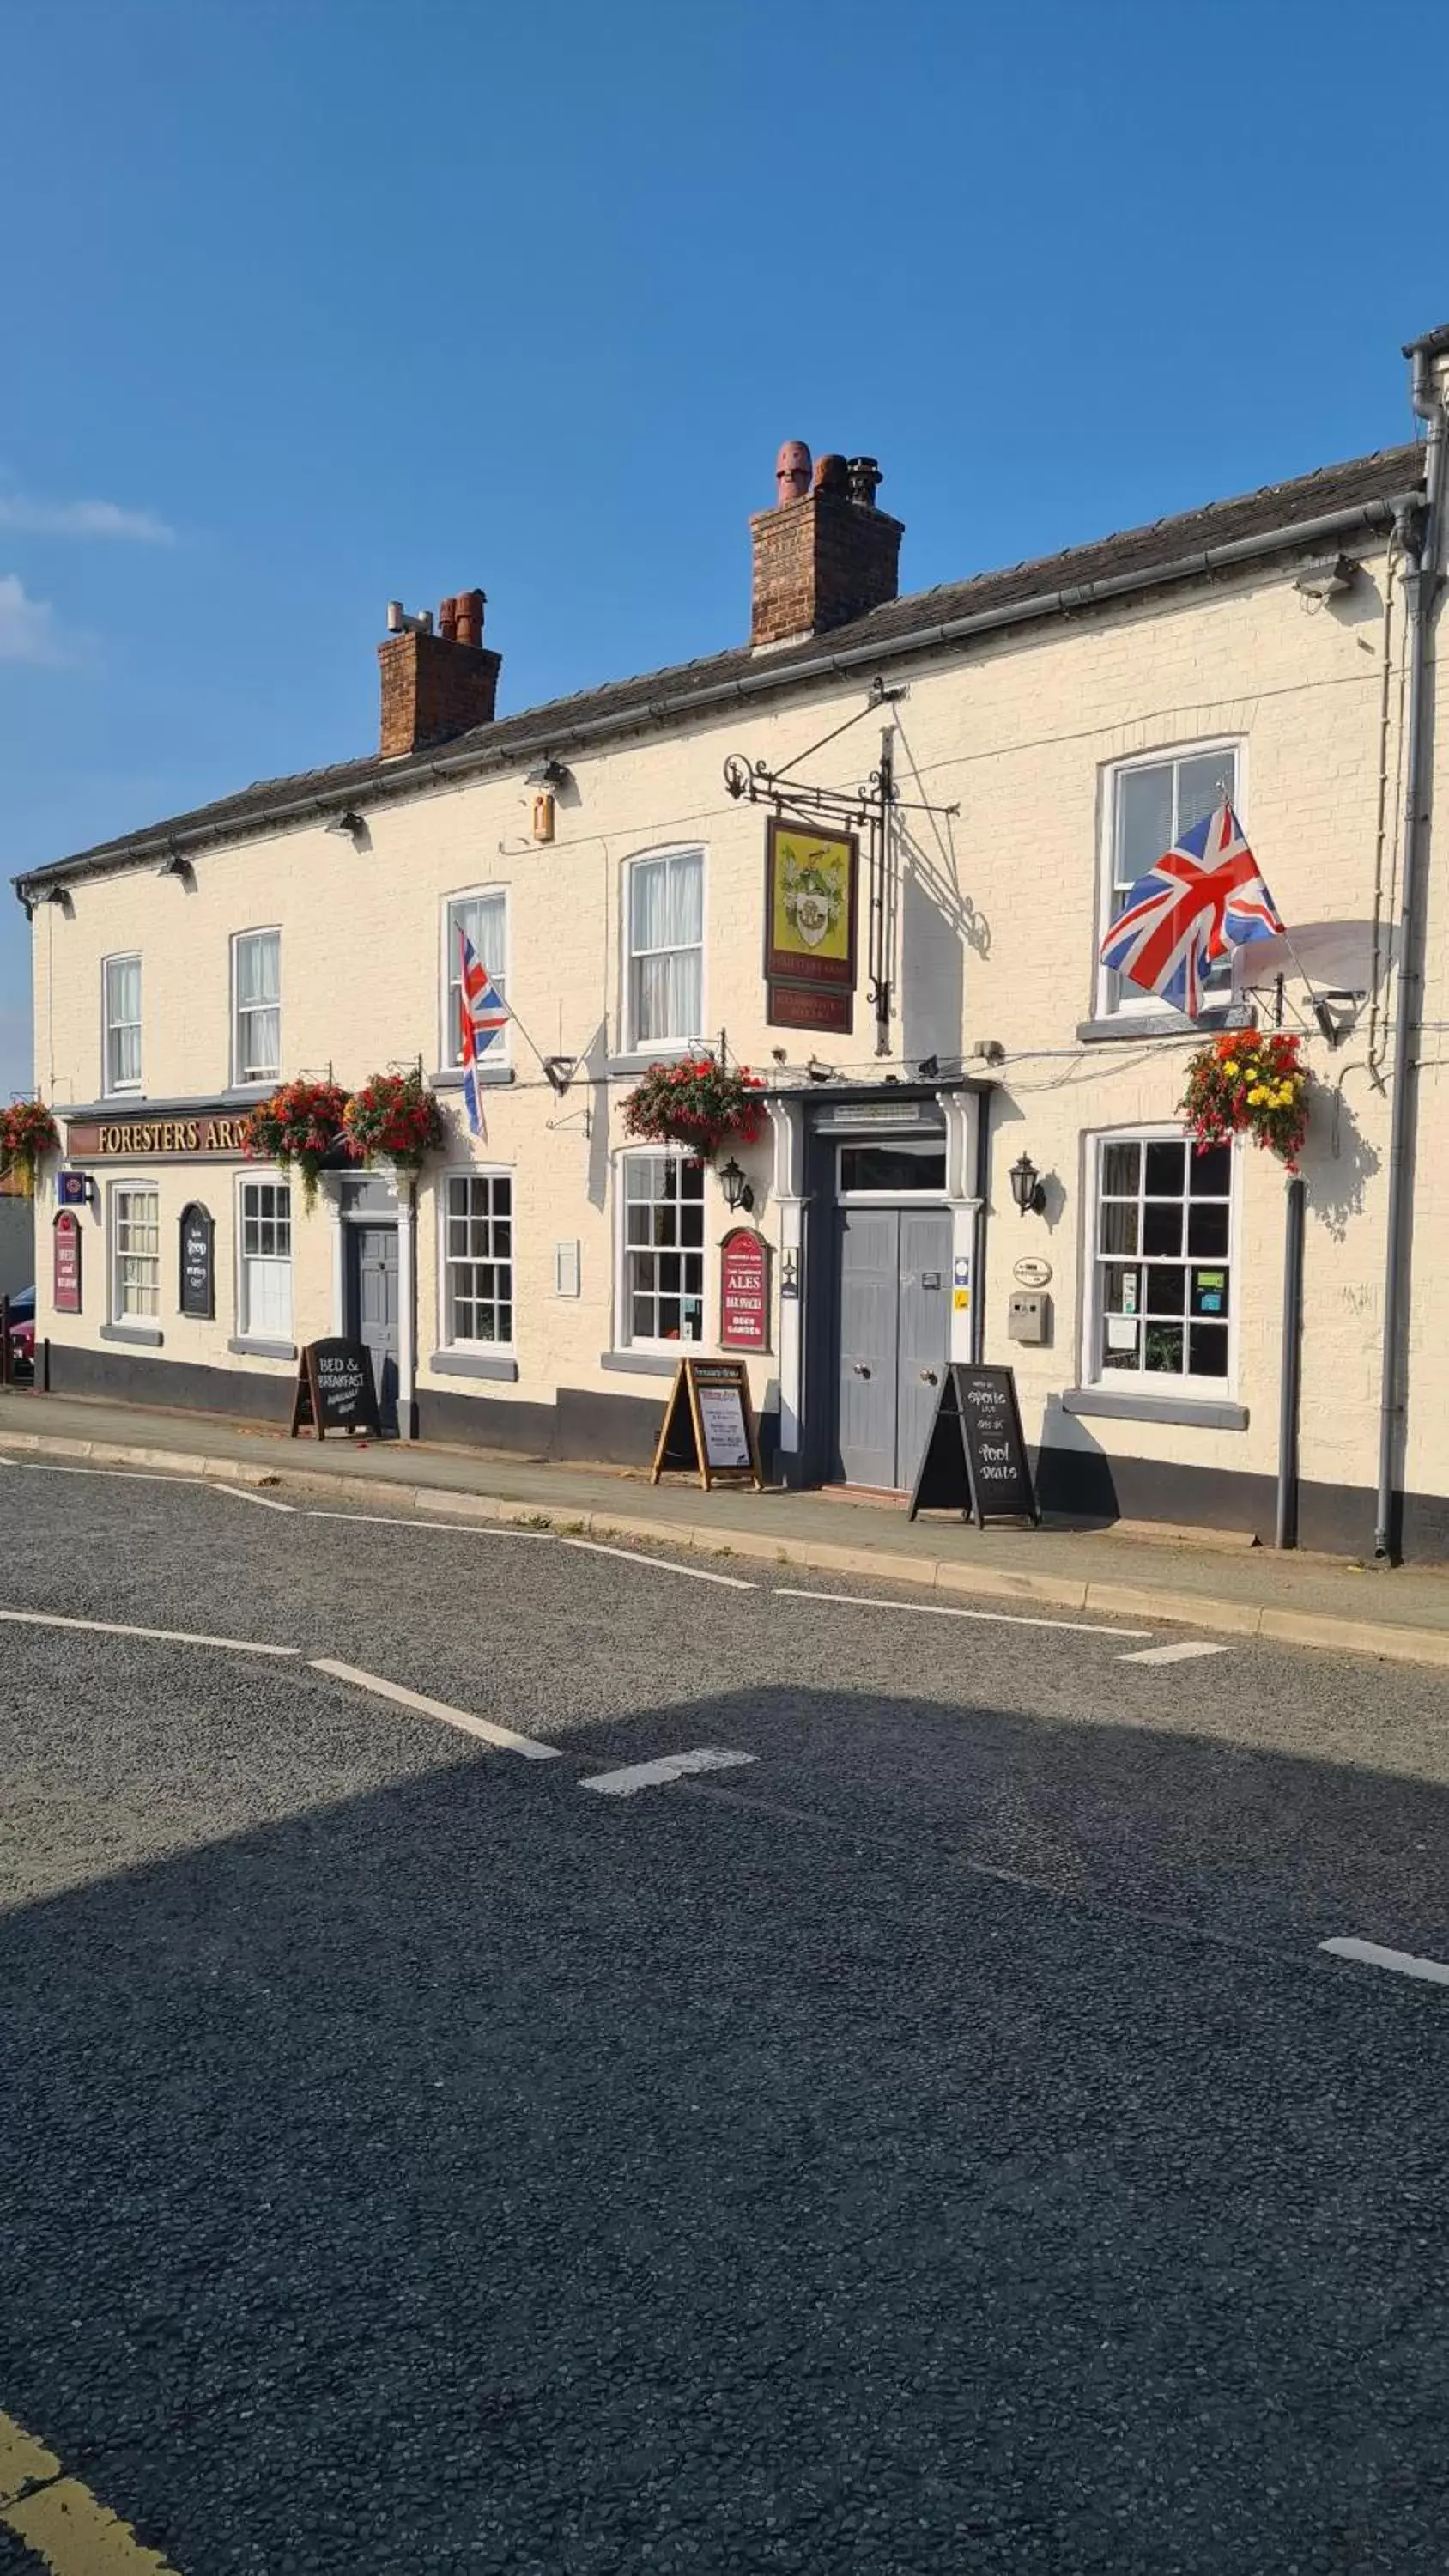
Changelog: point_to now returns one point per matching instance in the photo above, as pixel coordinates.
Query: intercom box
(1029, 1316)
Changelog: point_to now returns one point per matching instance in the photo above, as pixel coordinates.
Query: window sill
(1199, 1413)
(492, 1077)
(248, 1347)
(473, 1364)
(668, 1051)
(149, 1335)
(1125, 1028)
(648, 1363)
(261, 1089)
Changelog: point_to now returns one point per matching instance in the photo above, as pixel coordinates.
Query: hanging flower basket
(27, 1132)
(298, 1127)
(396, 1119)
(1249, 1083)
(696, 1103)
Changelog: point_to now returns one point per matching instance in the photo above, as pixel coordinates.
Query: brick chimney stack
(436, 686)
(825, 553)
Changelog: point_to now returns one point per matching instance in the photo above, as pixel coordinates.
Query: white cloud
(83, 519)
(28, 629)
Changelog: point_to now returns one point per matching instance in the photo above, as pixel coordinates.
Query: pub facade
(870, 855)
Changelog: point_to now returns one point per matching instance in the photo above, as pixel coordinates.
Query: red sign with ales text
(66, 1284)
(744, 1291)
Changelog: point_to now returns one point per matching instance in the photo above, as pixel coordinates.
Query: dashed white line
(653, 1775)
(939, 1610)
(462, 1718)
(666, 1565)
(385, 1520)
(244, 1494)
(162, 1636)
(1180, 1654)
(1404, 1963)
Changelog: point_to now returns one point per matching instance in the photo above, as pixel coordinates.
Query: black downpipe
(1285, 1530)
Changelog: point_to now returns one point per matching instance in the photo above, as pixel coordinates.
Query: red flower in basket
(396, 1116)
(299, 1126)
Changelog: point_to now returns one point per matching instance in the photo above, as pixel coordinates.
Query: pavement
(927, 2135)
(1203, 1579)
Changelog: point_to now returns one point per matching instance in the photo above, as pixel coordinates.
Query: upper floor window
(1150, 803)
(661, 1292)
(264, 1263)
(484, 917)
(665, 919)
(1161, 1291)
(256, 980)
(122, 977)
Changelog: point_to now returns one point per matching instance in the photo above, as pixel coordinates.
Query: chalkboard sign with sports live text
(709, 1428)
(198, 1267)
(975, 1458)
(335, 1390)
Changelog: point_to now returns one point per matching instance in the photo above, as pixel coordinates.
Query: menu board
(198, 1266)
(708, 1428)
(335, 1390)
(975, 1459)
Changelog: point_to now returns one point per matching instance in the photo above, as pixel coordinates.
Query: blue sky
(308, 305)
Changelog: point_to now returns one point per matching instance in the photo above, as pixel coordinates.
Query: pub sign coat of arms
(809, 910)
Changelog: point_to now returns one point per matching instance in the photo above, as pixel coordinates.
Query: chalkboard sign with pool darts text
(975, 1459)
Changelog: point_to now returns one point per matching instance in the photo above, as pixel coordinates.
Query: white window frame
(254, 1082)
(1156, 1382)
(498, 1052)
(1114, 997)
(625, 1338)
(248, 1329)
(448, 1340)
(660, 1049)
(119, 1313)
(111, 1089)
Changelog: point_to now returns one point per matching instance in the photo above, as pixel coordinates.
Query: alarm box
(1029, 1315)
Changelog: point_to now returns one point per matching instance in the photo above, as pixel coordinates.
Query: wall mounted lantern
(737, 1190)
(1026, 1186)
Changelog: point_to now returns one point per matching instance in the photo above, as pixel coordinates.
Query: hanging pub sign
(198, 1267)
(975, 1459)
(809, 926)
(709, 1427)
(744, 1291)
(335, 1390)
(65, 1287)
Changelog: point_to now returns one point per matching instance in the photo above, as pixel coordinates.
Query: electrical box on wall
(1029, 1315)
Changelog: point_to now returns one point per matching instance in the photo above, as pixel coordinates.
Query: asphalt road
(933, 2143)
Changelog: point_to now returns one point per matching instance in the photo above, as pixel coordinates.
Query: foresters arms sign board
(105, 1140)
(810, 965)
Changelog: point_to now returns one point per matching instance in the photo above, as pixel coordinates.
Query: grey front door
(895, 1306)
(372, 1308)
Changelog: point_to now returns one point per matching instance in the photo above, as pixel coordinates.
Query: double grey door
(895, 1330)
(372, 1304)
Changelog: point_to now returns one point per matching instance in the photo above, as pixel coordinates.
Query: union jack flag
(483, 1012)
(1205, 894)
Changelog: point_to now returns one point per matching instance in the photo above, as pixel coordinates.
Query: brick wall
(818, 563)
(433, 690)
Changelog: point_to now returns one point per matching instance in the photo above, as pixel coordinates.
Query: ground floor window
(264, 1283)
(135, 1255)
(662, 1290)
(1163, 1261)
(478, 1258)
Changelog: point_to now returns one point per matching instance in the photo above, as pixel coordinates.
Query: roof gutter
(1369, 517)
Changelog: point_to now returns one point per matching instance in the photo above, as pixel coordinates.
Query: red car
(22, 1336)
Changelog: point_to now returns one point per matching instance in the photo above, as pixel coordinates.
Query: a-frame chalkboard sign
(709, 1428)
(975, 1459)
(335, 1390)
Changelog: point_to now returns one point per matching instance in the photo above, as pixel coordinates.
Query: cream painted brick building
(532, 1291)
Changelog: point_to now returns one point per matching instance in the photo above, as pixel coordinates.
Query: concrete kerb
(1174, 1609)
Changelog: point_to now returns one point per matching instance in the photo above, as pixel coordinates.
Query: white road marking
(1403, 1962)
(665, 1564)
(163, 1636)
(383, 1520)
(125, 1475)
(244, 1494)
(670, 1766)
(939, 1610)
(503, 1736)
(1181, 1654)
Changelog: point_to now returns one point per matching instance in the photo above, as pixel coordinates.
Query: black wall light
(737, 1191)
(1026, 1186)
